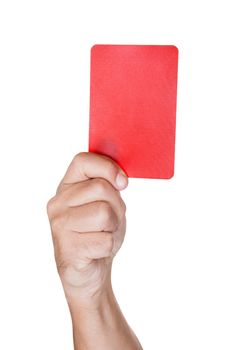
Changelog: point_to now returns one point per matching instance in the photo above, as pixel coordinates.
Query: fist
(88, 224)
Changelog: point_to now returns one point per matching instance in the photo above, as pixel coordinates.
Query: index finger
(87, 165)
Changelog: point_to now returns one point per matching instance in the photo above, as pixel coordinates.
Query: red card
(133, 90)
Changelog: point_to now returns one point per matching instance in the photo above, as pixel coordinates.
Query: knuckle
(108, 243)
(57, 224)
(111, 168)
(67, 193)
(101, 186)
(50, 206)
(107, 218)
(78, 157)
(105, 214)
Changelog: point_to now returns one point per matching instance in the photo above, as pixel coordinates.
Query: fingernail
(121, 181)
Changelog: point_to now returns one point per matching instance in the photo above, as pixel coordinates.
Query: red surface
(133, 107)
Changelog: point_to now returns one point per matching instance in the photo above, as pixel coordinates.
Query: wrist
(101, 323)
(78, 303)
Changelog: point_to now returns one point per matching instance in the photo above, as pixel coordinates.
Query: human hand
(88, 224)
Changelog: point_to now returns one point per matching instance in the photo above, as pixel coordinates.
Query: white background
(177, 274)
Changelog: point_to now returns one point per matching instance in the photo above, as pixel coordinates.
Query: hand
(88, 224)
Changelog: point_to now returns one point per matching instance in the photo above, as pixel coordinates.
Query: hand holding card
(133, 93)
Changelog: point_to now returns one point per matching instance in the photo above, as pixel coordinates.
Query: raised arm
(88, 224)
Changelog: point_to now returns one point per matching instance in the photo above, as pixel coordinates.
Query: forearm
(103, 327)
(88, 225)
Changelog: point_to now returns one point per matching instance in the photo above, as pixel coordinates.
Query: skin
(88, 223)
